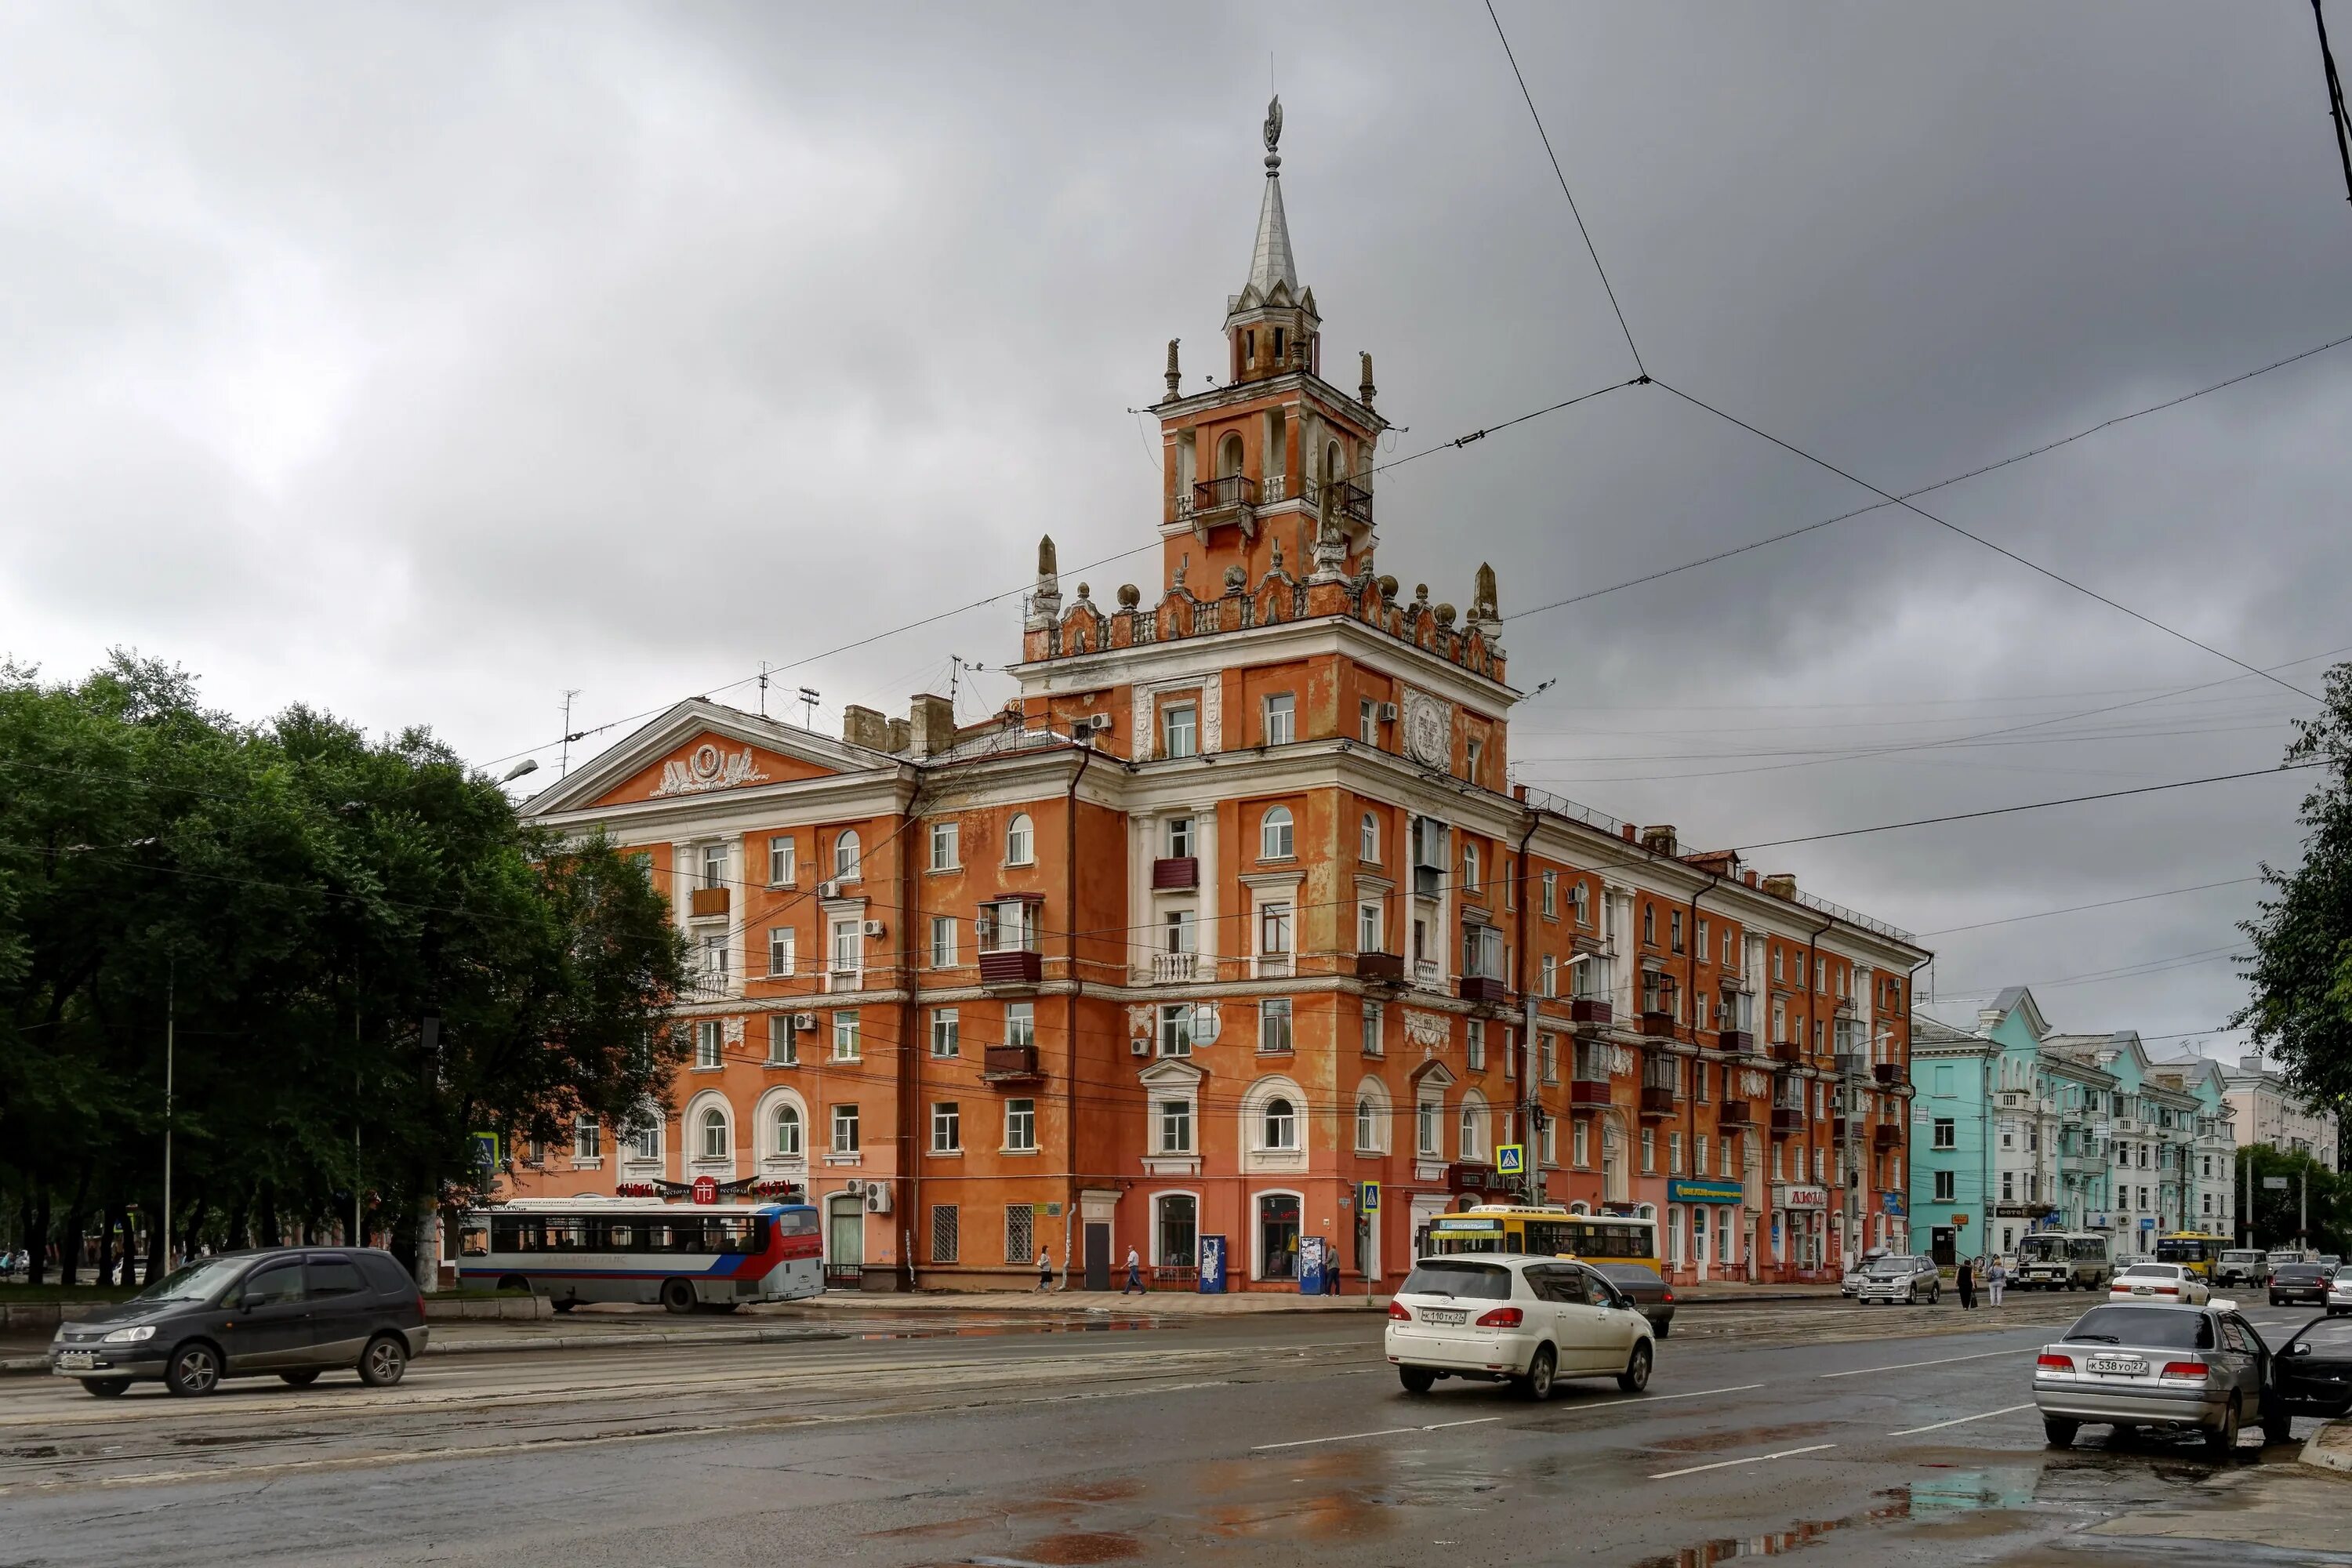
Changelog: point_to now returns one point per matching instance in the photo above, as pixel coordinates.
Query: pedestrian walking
(1995, 1278)
(1045, 1269)
(1968, 1283)
(1134, 1274)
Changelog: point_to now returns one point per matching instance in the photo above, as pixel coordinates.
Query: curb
(2323, 1455)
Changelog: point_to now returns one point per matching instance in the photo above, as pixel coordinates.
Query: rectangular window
(1021, 1023)
(1675, 929)
(1698, 1155)
(1776, 964)
(1550, 894)
(1946, 1133)
(1649, 925)
(945, 846)
(946, 1127)
(1472, 754)
(1020, 1222)
(783, 1046)
(1020, 1125)
(1510, 882)
(1273, 1023)
(1580, 1143)
(1367, 721)
(1176, 1028)
(1550, 976)
(944, 1232)
(714, 963)
(1179, 730)
(1374, 1044)
(1273, 930)
(1779, 1020)
(714, 865)
(943, 942)
(848, 949)
(1944, 1186)
(1175, 1126)
(844, 1130)
(1180, 838)
(845, 1037)
(1649, 1151)
(1821, 975)
(783, 950)
(587, 1139)
(1477, 1036)
(1368, 929)
(1550, 1141)
(1673, 1153)
(707, 1036)
(783, 862)
(2009, 1186)
(1582, 898)
(1281, 719)
(1425, 1129)
(947, 1032)
(1547, 1050)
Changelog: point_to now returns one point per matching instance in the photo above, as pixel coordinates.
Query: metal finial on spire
(1273, 134)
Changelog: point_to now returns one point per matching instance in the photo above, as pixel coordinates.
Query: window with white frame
(844, 1130)
(646, 1143)
(710, 1035)
(1475, 1034)
(1278, 1125)
(1469, 867)
(783, 1044)
(848, 949)
(1425, 1129)
(1550, 976)
(1369, 935)
(1273, 1023)
(845, 866)
(783, 950)
(1367, 721)
(1007, 925)
(714, 865)
(1020, 840)
(1180, 728)
(846, 1046)
(715, 964)
(1580, 1143)
(1281, 719)
(1179, 838)
(946, 1127)
(1175, 1126)
(943, 942)
(714, 1133)
(1274, 834)
(1550, 882)
(587, 1139)
(1021, 1023)
(1649, 1151)
(1176, 1028)
(1273, 930)
(946, 845)
(1473, 754)
(1374, 1018)
(1020, 1125)
(1548, 1048)
(1367, 841)
(947, 1033)
(1580, 899)
(1368, 1126)
(1550, 1141)
(783, 861)
(1471, 1140)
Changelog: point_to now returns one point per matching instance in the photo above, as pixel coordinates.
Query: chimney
(1748, 878)
(932, 725)
(901, 736)
(1659, 839)
(865, 727)
(1626, 831)
(1781, 885)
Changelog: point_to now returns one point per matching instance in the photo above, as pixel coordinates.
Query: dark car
(293, 1312)
(2314, 1369)
(1651, 1293)
(2299, 1283)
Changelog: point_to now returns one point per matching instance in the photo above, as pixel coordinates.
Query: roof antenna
(763, 688)
(808, 707)
(564, 765)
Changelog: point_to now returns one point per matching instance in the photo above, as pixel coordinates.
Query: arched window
(1367, 1127)
(1368, 850)
(1281, 1124)
(1274, 840)
(714, 1134)
(1472, 1132)
(1335, 462)
(1020, 840)
(788, 1131)
(845, 857)
(1469, 867)
(1229, 455)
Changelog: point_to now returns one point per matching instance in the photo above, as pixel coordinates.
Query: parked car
(2299, 1284)
(1525, 1320)
(294, 1311)
(2339, 1292)
(2330, 1262)
(2172, 1368)
(2288, 1255)
(2159, 1282)
(1852, 1284)
(1652, 1297)
(2314, 1369)
(1907, 1276)
(2127, 1259)
(2243, 1265)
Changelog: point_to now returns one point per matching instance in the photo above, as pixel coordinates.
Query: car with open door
(2314, 1369)
(1527, 1321)
(2168, 1367)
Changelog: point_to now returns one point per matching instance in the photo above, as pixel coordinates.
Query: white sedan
(2159, 1282)
(1525, 1320)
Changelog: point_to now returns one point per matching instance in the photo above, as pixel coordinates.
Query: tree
(2301, 1009)
(2315, 1203)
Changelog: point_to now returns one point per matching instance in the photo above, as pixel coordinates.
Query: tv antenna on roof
(808, 707)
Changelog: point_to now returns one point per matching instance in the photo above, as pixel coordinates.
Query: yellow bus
(2195, 1251)
(1546, 1232)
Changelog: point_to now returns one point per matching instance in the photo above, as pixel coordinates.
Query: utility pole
(2303, 1208)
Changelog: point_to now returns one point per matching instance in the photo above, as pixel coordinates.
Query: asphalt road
(1881, 1434)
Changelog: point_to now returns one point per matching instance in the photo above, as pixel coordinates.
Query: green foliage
(300, 901)
(2277, 1214)
(2301, 1010)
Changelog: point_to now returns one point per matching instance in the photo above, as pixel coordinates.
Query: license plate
(2126, 1366)
(1440, 1315)
(77, 1361)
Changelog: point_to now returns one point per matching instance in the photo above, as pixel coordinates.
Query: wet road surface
(1845, 1434)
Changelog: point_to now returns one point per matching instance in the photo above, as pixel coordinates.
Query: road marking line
(1962, 1421)
(1906, 1365)
(1751, 1460)
(1383, 1432)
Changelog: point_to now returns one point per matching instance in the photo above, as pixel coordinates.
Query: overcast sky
(421, 362)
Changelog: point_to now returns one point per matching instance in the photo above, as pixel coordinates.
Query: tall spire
(1270, 258)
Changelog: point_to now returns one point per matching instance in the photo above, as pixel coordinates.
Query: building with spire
(1229, 939)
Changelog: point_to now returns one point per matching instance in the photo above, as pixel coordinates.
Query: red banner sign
(706, 1189)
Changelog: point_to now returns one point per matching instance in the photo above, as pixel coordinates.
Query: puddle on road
(1736, 1438)
(1002, 1330)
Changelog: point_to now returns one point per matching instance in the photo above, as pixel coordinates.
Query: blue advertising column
(1313, 1253)
(1213, 1266)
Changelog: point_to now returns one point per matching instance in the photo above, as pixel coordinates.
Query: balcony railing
(1837, 1129)
(1483, 989)
(1018, 966)
(1424, 973)
(1735, 1113)
(1003, 1063)
(1789, 1051)
(1349, 500)
(1658, 1026)
(1849, 1064)
(1588, 1092)
(1177, 968)
(1657, 1100)
(1273, 965)
(1887, 1072)
(1225, 494)
(706, 903)
(1589, 1010)
(1886, 1137)
(1380, 968)
(1736, 1039)
(1176, 871)
(1787, 1120)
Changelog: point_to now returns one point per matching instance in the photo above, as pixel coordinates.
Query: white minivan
(1525, 1320)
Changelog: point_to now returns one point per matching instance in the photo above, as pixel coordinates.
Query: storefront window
(1277, 1229)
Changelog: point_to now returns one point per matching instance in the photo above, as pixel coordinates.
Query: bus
(2063, 1260)
(2197, 1250)
(1546, 1232)
(681, 1256)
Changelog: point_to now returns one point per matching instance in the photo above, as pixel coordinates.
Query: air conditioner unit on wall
(1091, 724)
(1388, 712)
(828, 890)
(855, 1186)
(804, 1023)
(878, 1197)
(1138, 1047)
(873, 928)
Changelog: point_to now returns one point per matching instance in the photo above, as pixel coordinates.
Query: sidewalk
(2330, 1448)
(1159, 1303)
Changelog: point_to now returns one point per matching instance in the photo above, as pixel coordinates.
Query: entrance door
(845, 1242)
(1097, 1257)
(1277, 1236)
(1940, 1244)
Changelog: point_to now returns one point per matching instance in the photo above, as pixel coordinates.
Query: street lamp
(528, 766)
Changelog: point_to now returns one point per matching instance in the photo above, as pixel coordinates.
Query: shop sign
(1790, 1197)
(1686, 1192)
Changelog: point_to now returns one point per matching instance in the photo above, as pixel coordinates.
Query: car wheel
(383, 1362)
(2221, 1442)
(1536, 1384)
(2278, 1427)
(1636, 1375)
(678, 1295)
(194, 1370)
(2060, 1431)
(1416, 1379)
(1935, 1294)
(300, 1379)
(1664, 1330)
(105, 1387)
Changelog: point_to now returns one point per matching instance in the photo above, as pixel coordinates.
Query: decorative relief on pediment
(706, 767)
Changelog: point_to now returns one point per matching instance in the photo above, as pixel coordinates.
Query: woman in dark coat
(1968, 1285)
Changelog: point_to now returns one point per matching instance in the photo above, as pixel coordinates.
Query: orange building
(1231, 916)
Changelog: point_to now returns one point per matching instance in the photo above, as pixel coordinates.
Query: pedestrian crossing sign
(1368, 1198)
(1510, 1159)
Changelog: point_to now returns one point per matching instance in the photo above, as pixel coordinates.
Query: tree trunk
(269, 1219)
(36, 1231)
(69, 1234)
(101, 1272)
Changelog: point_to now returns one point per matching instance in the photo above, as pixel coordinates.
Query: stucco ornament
(1751, 1082)
(1426, 1030)
(708, 768)
(1428, 730)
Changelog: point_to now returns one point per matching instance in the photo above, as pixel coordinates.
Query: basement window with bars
(945, 1233)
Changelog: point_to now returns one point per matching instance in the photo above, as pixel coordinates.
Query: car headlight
(131, 1336)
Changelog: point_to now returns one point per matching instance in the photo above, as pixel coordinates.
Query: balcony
(1424, 973)
(1657, 1100)
(1735, 1039)
(1380, 968)
(1017, 966)
(1886, 1136)
(1838, 1125)
(1588, 1093)
(1426, 881)
(1483, 989)
(1658, 1026)
(1179, 968)
(1008, 1064)
(1734, 1114)
(1273, 965)
(1589, 1010)
(1212, 497)
(1349, 501)
(1789, 1051)
(1850, 1065)
(708, 903)
(1787, 1120)
(1176, 871)
(1887, 1072)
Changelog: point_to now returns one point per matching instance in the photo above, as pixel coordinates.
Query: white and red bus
(682, 1256)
